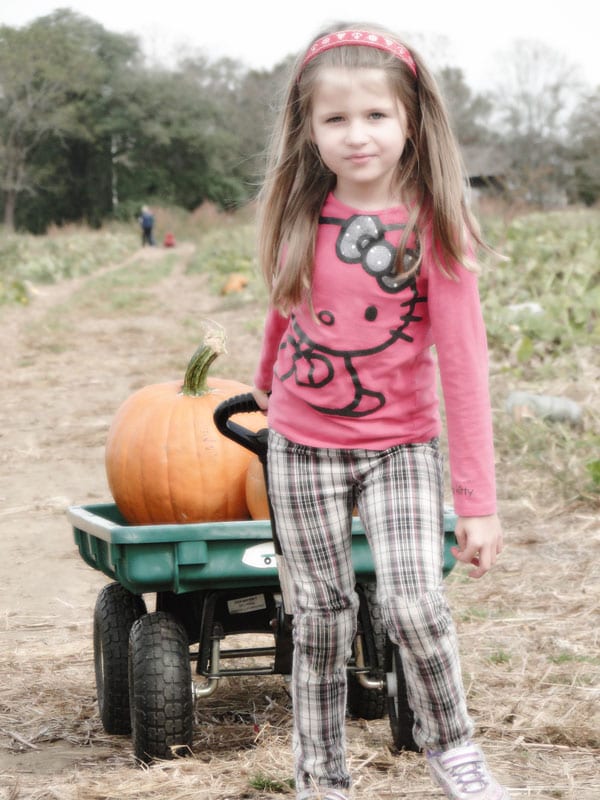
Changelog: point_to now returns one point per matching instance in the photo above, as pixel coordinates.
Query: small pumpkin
(236, 282)
(256, 490)
(165, 459)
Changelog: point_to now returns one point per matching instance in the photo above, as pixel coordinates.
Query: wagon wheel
(160, 688)
(400, 713)
(362, 702)
(115, 612)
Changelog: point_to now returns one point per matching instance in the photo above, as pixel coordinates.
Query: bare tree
(536, 91)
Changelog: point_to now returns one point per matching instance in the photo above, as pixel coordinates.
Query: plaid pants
(399, 496)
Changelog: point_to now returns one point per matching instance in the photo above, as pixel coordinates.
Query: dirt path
(68, 360)
(64, 376)
(65, 373)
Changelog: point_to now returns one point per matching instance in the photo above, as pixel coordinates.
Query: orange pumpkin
(256, 490)
(165, 459)
(235, 283)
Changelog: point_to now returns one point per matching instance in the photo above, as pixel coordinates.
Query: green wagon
(212, 581)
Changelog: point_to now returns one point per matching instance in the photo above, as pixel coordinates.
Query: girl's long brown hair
(430, 171)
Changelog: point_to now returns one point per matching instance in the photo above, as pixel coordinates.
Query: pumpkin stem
(212, 346)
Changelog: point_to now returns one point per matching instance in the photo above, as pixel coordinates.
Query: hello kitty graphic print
(314, 363)
(358, 369)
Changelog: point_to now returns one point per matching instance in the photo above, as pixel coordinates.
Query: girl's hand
(480, 541)
(262, 399)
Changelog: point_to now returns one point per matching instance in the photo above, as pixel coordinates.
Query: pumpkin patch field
(82, 335)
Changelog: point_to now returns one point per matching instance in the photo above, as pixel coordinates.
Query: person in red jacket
(368, 250)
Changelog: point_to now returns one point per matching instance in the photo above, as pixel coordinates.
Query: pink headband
(363, 38)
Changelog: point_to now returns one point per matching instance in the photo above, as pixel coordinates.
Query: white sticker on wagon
(261, 556)
(244, 605)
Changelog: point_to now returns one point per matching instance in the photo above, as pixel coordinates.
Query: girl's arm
(275, 325)
(460, 340)
(461, 344)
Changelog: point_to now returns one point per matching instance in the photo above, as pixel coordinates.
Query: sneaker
(463, 774)
(330, 794)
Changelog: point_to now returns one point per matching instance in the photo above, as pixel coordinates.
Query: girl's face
(360, 129)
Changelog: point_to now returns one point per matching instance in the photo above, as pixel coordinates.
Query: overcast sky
(470, 34)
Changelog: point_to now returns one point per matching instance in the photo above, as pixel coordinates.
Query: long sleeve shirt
(359, 370)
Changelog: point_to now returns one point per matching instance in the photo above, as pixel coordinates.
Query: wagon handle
(257, 443)
(241, 404)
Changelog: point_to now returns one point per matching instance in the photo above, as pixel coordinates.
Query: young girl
(367, 247)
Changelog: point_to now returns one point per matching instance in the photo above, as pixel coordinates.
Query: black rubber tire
(365, 703)
(400, 714)
(160, 688)
(115, 612)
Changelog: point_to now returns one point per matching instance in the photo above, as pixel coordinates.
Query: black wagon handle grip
(241, 404)
(257, 443)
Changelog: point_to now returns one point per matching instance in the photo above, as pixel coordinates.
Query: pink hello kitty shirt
(361, 373)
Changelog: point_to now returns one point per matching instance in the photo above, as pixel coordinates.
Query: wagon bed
(182, 558)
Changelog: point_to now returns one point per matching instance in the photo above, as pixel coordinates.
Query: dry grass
(531, 659)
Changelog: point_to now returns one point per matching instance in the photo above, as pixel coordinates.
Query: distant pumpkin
(166, 462)
(235, 283)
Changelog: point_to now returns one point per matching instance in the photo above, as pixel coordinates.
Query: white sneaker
(463, 774)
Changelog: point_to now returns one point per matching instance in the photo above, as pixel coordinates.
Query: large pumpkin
(165, 459)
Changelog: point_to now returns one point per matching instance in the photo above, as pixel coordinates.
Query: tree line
(89, 130)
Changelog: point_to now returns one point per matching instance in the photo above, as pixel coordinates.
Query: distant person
(367, 246)
(146, 220)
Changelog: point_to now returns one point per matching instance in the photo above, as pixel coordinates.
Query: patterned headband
(363, 38)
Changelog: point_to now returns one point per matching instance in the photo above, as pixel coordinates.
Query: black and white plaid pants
(399, 496)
